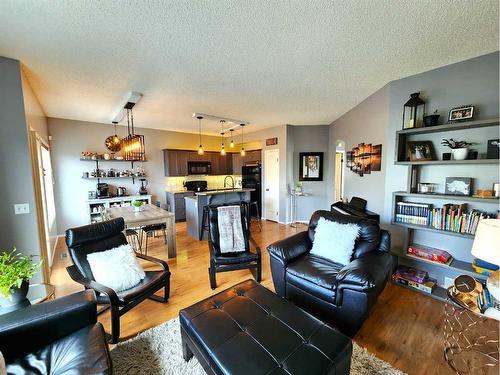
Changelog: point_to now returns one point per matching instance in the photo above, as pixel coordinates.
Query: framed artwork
(458, 186)
(311, 166)
(461, 113)
(364, 158)
(420, 151)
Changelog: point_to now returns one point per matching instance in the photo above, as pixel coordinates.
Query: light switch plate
(21, 208)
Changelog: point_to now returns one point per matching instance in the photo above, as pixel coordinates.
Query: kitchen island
(196, 203)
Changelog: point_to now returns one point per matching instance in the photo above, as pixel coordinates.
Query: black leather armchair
(56, 337)
(223, 262)
(339, 295)
(103, 236)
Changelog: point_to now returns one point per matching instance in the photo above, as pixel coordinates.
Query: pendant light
(222, 150)
(232, 141)
(242, 144)
(200, 149)
(113, 142)
(133, 144)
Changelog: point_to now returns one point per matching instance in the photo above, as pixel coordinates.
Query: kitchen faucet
(232, 180)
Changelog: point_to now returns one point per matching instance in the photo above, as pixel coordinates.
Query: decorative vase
(138, 209)
(17, 297)
(431, 120)
(460, 153)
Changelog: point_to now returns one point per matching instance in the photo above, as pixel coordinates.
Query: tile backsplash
(214, 182)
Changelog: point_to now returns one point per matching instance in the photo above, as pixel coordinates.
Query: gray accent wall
(366, 123)
(474, 81)
(307, 138)
(16, 171)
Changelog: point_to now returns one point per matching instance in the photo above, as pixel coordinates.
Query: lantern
(413, 112)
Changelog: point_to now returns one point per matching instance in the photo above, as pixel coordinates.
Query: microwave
(199, 167)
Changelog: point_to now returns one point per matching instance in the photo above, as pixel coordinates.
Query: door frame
(265, 158)
(339, 172)
(34, 139)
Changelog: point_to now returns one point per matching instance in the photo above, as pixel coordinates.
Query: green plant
(137, 203)
(14, 268)
(451, 143)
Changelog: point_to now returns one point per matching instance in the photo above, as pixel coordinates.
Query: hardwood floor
(405, 328)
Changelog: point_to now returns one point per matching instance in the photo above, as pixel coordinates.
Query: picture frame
(458, 186)
(311, 166)
(420, 151)
(464, 113)
(364, 159)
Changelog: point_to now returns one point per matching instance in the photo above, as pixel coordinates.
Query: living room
(258, 187)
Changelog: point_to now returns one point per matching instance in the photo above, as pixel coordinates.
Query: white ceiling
(266, 62)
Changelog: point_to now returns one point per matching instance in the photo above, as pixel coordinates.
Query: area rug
(158, 351)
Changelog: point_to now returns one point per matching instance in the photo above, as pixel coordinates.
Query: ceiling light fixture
(200, 149)
(133, 145)
(232, 142)
(242, 144)
(222, 150)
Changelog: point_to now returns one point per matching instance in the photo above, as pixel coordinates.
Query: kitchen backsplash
(214, 182)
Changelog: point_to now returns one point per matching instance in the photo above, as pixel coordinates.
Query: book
(427, 286)
(411, 274)
(430, 253)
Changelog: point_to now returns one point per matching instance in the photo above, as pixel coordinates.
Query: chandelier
(133, 147)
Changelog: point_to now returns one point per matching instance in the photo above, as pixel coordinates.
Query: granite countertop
(224, 191)
(179, 191)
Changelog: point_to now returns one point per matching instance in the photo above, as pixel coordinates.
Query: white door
(48, 202)
(271, 184)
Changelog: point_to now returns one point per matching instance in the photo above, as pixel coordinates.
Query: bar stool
(257, 213)
(150, 231)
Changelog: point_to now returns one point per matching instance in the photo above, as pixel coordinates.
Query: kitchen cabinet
(175, 161)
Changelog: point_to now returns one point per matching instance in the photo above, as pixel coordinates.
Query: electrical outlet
(21, 208)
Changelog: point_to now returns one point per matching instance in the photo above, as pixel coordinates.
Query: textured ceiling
(267, 62)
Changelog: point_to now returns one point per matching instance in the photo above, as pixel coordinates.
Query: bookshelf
(457, 266)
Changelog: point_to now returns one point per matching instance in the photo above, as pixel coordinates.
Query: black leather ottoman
(247, 329)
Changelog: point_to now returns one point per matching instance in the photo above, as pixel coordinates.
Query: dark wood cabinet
(175, 161)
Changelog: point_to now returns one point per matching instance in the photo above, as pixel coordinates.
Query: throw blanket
(231, 238)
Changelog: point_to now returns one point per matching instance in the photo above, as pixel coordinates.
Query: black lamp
(413, 112)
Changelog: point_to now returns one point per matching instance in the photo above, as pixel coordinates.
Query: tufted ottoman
(247, 329)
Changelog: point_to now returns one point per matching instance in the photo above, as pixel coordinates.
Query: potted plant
(431, 120)
(137, 205)
(459, 149)
(15, 271)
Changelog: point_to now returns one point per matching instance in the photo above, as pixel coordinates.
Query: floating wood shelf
(448, 162)
(438, 292)
(451, 127)
(431, 229)
(459, 198)
(455, 265)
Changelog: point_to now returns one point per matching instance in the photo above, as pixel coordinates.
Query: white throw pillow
(117, 268)
(335, 241)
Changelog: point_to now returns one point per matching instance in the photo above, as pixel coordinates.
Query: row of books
(413, 213)
(414, 278)
(450, 217)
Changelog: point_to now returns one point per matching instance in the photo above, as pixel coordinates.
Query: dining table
(147, 215)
